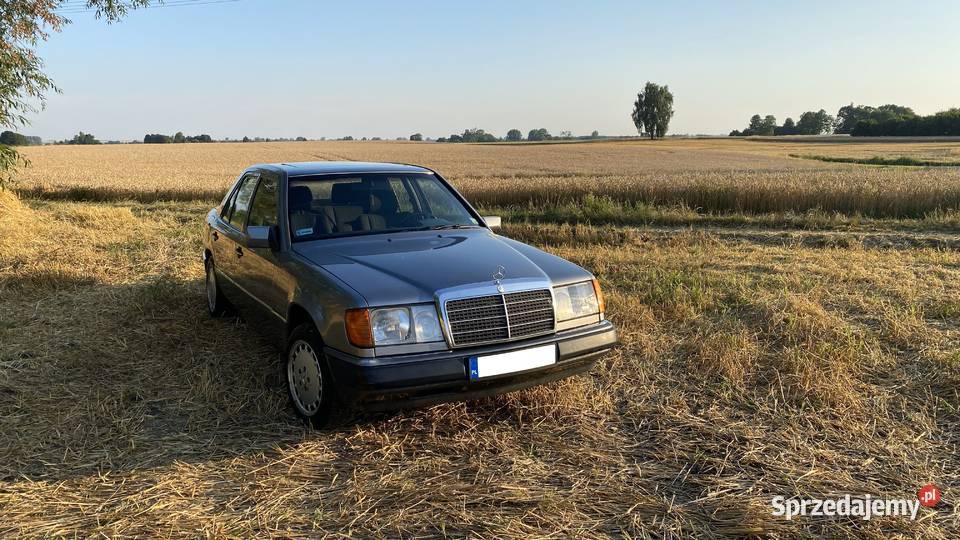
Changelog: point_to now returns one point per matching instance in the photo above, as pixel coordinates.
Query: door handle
(239, 251)
(215, 236)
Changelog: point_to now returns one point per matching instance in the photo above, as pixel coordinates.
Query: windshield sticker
(304, 232)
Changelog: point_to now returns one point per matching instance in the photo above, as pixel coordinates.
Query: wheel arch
(298, 315)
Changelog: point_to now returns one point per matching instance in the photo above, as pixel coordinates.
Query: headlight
(390, 326)
(425, 324)
(578, 300)
(393, 326)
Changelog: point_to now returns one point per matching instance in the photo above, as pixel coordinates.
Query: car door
(228, 243)
(260, 271)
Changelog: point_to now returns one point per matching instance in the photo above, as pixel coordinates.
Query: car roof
(307, 168)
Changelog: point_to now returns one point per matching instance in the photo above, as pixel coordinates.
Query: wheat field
(707, 177)
(771, 346)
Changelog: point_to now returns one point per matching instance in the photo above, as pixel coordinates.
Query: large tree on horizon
(653, 110)
(815, 123)
(23, 84)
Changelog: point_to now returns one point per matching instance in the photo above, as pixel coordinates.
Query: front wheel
(308, 378)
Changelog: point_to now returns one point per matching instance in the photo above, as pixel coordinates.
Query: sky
(317, 68)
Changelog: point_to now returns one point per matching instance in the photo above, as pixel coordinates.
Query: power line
(83, 4)
(82, 7)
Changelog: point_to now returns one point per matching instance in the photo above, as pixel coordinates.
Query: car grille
(500, 317)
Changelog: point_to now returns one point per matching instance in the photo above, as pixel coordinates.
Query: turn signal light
(358, 328)
(599, 293)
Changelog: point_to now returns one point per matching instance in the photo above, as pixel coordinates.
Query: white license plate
(498, 364)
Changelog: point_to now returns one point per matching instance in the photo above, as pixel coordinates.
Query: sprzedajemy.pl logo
(865, 507)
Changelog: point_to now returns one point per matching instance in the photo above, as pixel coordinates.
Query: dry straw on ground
(755, 363)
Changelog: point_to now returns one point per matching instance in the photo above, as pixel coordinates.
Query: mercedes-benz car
(385, 288)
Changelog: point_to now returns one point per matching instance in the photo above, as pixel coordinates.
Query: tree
(179, 138)
(477, 135)
(653, 110)
(83, 138)
(850, 115)
(416, 137)
(23, 84)
(788, 128)
(595, 134)
(766, 125)
(156, 138)
(10, 138)
(539, 135)
(769, 125)
(815, 123)
(943, 123)
(514, 135)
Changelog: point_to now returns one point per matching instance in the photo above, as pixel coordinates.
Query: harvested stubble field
(757, 360)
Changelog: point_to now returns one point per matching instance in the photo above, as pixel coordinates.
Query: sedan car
(386, 288)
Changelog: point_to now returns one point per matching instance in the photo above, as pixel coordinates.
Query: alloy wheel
(304, 378)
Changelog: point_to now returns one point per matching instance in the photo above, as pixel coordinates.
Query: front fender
(325, 298)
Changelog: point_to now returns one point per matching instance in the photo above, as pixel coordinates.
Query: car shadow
(102, 378)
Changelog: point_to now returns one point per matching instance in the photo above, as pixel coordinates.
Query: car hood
(411, 267)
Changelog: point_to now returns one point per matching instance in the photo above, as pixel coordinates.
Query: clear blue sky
(322, 68)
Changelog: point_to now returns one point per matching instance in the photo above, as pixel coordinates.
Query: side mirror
(492, 221)
(263, 237)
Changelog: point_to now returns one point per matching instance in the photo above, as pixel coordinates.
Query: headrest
(386, 200)
(373, 203)
(300, 198)
(341, 194)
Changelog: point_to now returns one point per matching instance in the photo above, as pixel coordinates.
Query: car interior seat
(303, 220)
(342, 214)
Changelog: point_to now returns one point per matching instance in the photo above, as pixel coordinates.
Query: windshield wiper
(451, 226)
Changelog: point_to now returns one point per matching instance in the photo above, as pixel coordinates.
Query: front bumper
(428, 378)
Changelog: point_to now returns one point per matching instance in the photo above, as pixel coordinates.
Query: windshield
(326, 206)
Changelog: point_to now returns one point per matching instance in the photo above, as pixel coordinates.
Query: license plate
(498, 364)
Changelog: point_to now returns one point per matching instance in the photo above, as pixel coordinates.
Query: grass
(903, 161)
(789, 351)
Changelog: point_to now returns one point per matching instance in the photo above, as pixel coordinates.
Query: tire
(309, 383)
(217, 304)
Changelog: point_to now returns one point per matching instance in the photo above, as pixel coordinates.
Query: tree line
(895, 120)
(12, 138)
(859, 121)
(476, 135)
(81, 138)
(178, 137)
(810, 123)
(651, 115)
